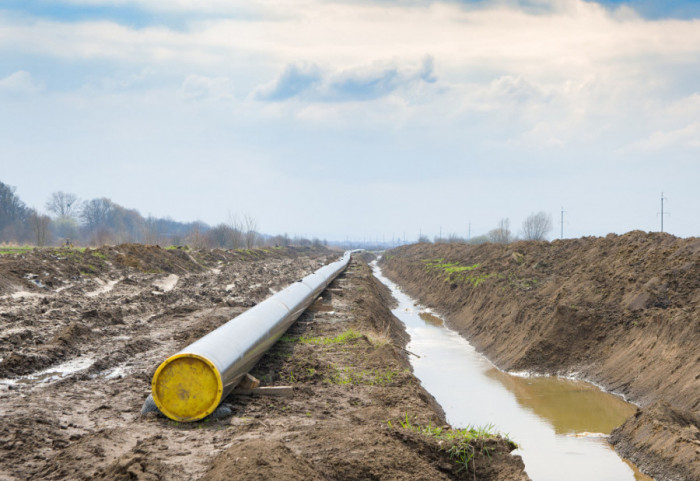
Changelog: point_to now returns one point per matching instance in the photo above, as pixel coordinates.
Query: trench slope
(619, 311)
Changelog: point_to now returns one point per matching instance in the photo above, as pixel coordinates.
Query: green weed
(456, 273)
(462, 444)
(343, 338)
(5, 250)
(367, 377)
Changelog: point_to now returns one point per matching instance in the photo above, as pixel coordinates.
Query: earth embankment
(84, 330)
(620, 311)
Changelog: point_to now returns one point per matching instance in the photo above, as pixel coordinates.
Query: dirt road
(82, 333)
(620, 311)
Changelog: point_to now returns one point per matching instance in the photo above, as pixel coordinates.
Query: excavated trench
(561, 425)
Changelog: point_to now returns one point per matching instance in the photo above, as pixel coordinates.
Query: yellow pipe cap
(187, 387)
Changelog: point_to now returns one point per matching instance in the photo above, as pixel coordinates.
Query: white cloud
(201, 87)
(20, 82)
(686, 137)
(364, 83)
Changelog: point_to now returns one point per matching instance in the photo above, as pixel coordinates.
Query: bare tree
(251, 236)
(501, 234)
(95, 213)
(278, 241)
(63, 205)
(195, 237)
(150, 231)
(41, 226)
(537, 226)
(236, 232)
(219, 236)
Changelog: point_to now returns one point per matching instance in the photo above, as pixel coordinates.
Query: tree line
(71, 220)
(535, 227)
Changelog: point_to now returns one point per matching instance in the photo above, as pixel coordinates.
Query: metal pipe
(190, 385)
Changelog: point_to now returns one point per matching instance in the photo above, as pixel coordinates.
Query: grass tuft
(343, 338)
(461, 444)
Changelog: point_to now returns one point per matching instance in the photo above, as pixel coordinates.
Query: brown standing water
(560, 424)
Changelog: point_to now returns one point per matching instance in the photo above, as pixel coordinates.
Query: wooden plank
(248, 382)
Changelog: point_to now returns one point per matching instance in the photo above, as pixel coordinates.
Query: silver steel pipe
(190, 384)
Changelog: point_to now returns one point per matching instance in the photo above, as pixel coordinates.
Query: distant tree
(63, 205)
(41, 226)
(95, 213)
(127, 225)
(251, 235)
(301, 241)
(480, 239)
(219, 236)
(278, 240)
(454, 238)
(537, 226)
(151, 232)
(501, 234)
(423, 239)
(236, 231)
(195, 237)
(13, 215)
(65, 228)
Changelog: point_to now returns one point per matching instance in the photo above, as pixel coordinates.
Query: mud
(620, 311)
(83, 332)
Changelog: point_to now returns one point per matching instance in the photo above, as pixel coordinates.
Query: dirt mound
(259, 459)
(139, 467)
(148, 258)
(663, 441)
(620, 310)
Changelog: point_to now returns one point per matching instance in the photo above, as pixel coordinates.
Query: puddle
(115, 372)
(560, 424)
(53, 373)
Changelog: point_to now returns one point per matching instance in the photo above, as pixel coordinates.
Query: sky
(362, 119)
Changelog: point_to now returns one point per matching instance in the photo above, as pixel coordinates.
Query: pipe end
(187, 387)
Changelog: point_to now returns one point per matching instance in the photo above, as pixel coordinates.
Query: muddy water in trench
(560, 424)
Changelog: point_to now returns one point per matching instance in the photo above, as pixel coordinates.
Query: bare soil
(620, 311)
(81, 334)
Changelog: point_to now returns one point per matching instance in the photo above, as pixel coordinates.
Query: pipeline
(190, 384)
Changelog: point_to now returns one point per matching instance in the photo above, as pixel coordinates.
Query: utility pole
(662, 211)
(562, 222)
(440, 234)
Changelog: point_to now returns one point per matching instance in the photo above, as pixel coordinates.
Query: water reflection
(431, 318)
(569, 406)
